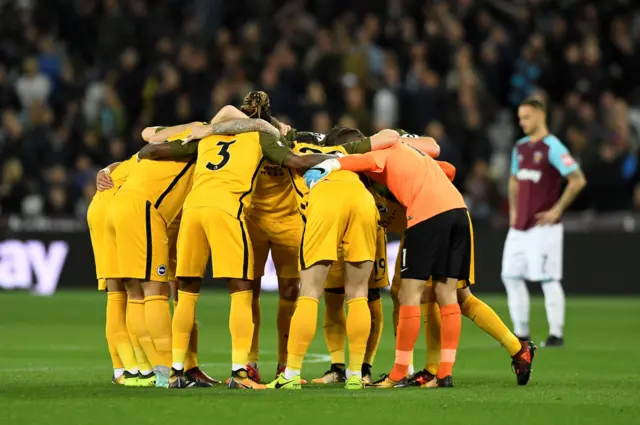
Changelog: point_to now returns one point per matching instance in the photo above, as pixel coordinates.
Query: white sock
(290, 373)
(134, 371)
(554, 303)
(145, 372)
(118, 372)
(178, 366)
(351, 373)
(519, 305)
(411, 370)
(236, 367)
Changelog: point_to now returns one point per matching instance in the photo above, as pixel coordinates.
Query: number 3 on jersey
(224, 153)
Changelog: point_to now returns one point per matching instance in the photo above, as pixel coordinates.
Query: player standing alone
(533, 249)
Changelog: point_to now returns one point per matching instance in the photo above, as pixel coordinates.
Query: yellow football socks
(257, 320)
(285, 313)
(431, 320)
(181, 327)
(335, 326)
(303, 329)
(375, 308)
(158, 317)
(241, 328)
(140, 338)
(116, 332)
(191, 359)
(115, 357)
(358, 329)
(487, 320)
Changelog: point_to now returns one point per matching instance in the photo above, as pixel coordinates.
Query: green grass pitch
(55, 369)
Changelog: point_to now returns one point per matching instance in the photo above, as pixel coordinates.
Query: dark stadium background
(80, 79)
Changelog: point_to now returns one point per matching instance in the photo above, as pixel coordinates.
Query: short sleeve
(560, 157)
(359, 146)
(515, 166)
(273, 148)
(380, 157)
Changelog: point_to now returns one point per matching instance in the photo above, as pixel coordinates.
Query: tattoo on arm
(244, 125)
(576, 182)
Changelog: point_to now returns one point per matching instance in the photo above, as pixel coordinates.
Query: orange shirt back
(416, 180)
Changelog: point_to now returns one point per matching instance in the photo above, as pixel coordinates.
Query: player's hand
(318, 172)
(284, 128)
(548, 217)
(198, 132)
(103, 181)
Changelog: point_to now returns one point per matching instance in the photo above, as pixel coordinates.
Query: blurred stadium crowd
(79, 79)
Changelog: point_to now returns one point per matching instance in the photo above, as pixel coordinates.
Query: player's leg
(288, 290)
(485, 318)
(551, 240)
(139, 336)
(303, 324)
(260, 244)
(232, 260)
(193, 255)
(284, 237)
(358, 318)
(514, 268)
(431, 326)
(379, 279)
(395, 289)
(335, 323)
(116, 331)
(318, 250)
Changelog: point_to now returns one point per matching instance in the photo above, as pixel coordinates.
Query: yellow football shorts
(96, 218)
(211, 231)
(379, 276)
(339, 215)
(138, 235)
(172, 234)
(282, 237)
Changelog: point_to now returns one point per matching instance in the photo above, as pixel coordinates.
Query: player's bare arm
(171, 151)
(165, 133)
(236, 126)
(513, 200)
(576, 181)
(103, 178)
(149, 132)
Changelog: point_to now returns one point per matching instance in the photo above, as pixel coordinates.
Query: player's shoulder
(552, 141)
(522, 141)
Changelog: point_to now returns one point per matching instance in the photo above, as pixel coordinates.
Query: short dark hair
(535, 103)
(341, 135)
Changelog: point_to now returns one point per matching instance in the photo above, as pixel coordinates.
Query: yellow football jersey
(118, 176)
(393, 216)
(227, 169)
(300, 187)
(273, 195)
(163, 183)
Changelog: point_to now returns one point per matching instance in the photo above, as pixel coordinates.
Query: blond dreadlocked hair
(256, 105)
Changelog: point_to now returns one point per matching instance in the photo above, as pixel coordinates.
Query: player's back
(118, 177)
(339, 177)
(165, 184)
(393, 216)
(418, 183)
(273, 196)
(225, 172)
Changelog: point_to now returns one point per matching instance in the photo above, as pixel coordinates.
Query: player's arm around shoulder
(169, 151)
(278, 150)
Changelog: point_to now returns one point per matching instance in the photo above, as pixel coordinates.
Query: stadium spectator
(77, 84)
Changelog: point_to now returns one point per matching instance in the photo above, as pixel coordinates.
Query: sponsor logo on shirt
(567, 160)
(529, 175)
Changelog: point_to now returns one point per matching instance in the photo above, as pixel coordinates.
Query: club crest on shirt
(520, 158)
(537, 157)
